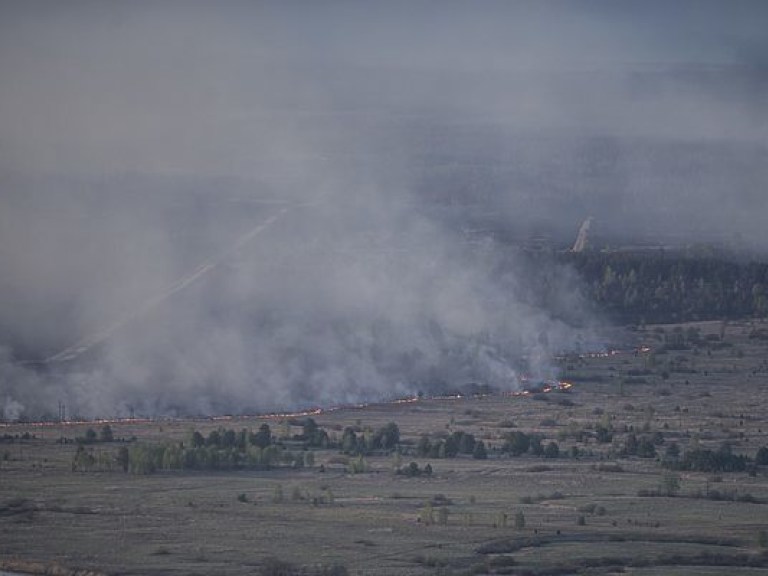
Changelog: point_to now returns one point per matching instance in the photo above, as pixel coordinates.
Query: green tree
(387, 437)
(516, 443)
(263, 437)
(122, 458)
(480, 453)
(106, 434)
(423, 446)
(670, 484)
(197, 440)
(519, 520)
(427, 514)
(349, 441)
(552, 450)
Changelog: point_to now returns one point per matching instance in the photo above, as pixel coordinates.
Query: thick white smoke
(390, 153)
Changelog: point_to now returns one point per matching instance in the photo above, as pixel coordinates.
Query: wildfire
(545, 387)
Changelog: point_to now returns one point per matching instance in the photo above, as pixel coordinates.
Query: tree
(516, 443)
(519, 520)
(630, 446)
(313, 435)
(83, 460)
(672, 451)
(387, 437)
(552, 450)
(603, 434)
(229, 439)
(106, 433)
(762, 539)
(197, 440)
(358, 465)
(480, 453)
(536, 448)
(309, 429)
(424, 446)
(670, 484)
(263, 437)
(122, 458)
(442, 515)
(214, 438)
(349, 441)
(427, 515)
(466, 442)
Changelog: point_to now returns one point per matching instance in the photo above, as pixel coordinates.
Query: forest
(663, 287)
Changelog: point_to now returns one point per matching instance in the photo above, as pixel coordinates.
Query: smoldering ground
(382, 148)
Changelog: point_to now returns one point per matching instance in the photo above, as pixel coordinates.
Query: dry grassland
(582, 514)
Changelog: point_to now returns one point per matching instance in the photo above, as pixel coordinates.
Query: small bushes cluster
(220, 450)
(275, 567)
(92, 437)
(705, 460)
(518, 443)
(593, 508)
(14, 437)
(541, 498)
(643, 447)
(385, 439)
(456, 443)
(413, 470)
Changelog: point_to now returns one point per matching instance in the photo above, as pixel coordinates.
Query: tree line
(662, 287)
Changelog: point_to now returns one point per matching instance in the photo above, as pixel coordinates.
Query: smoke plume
(239, 207)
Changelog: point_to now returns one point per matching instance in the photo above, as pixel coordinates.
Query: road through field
(85, 344)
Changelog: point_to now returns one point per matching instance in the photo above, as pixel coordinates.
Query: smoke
(339, 301)
(252, 206)
(12, 410)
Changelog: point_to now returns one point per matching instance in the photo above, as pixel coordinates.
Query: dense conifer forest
(661, 287)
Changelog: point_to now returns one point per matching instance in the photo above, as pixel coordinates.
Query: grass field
(599, 511)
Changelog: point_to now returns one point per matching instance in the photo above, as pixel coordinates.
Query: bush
(762, 539)
(275, 567)
(480, 452)
(106, 434)
(552, 450)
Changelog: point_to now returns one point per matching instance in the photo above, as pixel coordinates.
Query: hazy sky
(192, 87)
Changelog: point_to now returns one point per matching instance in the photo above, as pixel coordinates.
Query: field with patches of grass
(603, 505)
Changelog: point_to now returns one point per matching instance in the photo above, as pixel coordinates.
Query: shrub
(552, 450)
(275, 567)
(762, 539)
(479, 452)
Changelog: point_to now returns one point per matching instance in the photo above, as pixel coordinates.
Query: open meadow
(650, 463)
